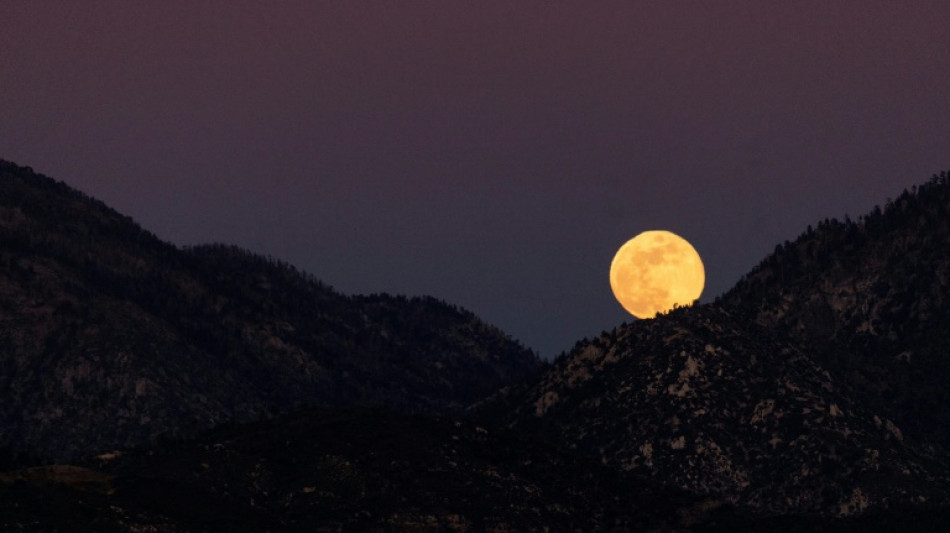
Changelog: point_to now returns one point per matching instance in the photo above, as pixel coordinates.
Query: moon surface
(655, 271)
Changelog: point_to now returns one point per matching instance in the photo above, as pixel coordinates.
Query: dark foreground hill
(110, 337)
(344, 470)
(700, 401)
(372, 470)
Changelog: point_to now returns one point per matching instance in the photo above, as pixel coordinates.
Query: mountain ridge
(103, 325)
(765, 398)
(808, 397)
(869, 297)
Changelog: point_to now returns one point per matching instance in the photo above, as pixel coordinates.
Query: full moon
(655, 271)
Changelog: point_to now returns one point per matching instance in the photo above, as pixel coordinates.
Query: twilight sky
(493, 154)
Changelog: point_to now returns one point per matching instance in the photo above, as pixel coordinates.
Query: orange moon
(655, 271)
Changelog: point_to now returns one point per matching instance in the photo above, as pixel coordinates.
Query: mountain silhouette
(871, 301)
(209, 389)
(817, 385)
(110, 337)
(699, 400)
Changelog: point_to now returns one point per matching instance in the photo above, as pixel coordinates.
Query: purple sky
(493, 154)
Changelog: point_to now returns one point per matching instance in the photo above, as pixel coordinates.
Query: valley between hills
(148, 387)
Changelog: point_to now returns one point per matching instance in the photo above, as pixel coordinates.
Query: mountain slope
(816, 386)
(698, 401)
(871, 300)
(110, 337)
(812, 391)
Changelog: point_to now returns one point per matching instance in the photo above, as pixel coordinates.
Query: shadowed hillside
(810, 397)
(816, 386)
(871, 301)
(349, 470)
(110, 337)
(698, 400)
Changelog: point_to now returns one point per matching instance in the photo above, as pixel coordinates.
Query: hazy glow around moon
(655, 271)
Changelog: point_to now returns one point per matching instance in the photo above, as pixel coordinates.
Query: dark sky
(492, 154)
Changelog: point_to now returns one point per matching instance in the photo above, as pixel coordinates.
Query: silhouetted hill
(110, 337)
(871, 301)
(817, 386)
(699, 401)
(810, 397)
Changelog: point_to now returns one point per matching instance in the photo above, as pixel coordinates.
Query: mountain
(209, 389)
(871, 300)
(110, 337)
(817, 386)
(699, 401)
